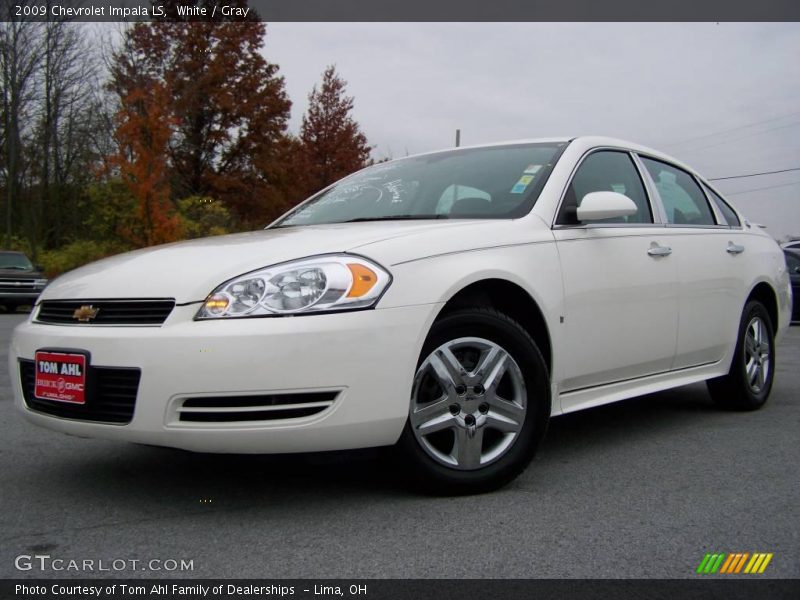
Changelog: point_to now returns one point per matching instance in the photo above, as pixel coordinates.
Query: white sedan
(447, 304)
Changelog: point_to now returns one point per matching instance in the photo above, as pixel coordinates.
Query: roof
(587, 141)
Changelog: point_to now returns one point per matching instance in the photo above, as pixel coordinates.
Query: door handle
(656, 250)
(734, 248)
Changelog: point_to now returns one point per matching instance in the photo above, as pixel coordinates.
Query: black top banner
(402, 10)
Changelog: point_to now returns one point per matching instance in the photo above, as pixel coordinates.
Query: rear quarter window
(727, 212)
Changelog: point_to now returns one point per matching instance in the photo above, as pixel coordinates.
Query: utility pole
(455, 186)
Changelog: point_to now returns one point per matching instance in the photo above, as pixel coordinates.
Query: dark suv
(20, 282)
(793, 262)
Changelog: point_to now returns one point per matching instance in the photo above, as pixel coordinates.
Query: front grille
(10, 285)
(109, 312)
(269, 407)
(111, 395)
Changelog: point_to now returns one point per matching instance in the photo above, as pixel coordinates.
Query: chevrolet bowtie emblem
(85, 313)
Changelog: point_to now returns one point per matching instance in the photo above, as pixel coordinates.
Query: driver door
(620, 292)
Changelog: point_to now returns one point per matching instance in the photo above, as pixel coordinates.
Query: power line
(716, 133)
(755, 174)
(741, 137)
(769, 187)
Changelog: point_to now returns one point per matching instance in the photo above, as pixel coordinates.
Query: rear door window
(683, 200)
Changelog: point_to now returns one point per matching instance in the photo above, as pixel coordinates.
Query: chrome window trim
(562, 226)
(690, 226)
(718, 216)
(655, 214)
(650, 185)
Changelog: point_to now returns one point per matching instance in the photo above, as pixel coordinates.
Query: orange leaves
(225, 104)
(204, 113)
(144, 128)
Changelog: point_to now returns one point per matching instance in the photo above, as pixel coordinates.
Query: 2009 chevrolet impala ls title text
(447, 304)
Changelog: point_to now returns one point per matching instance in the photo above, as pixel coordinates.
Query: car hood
(188, 271)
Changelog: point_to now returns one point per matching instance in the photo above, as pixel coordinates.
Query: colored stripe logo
(734, 563)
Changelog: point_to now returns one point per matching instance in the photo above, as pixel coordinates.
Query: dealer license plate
(60, 376)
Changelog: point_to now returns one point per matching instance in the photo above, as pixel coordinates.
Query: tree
(49, 131)
(144, 126)
(203, 217)
(66, 128)
(20, 56)
(333, 144)
(229, 104)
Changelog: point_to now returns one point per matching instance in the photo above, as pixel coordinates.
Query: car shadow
(635, 417)
(126, 473)
(225, 480)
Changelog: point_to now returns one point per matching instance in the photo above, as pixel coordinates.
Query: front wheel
(749, 381)
(480, 403)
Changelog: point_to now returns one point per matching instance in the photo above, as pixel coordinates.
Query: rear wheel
(749, 381)
(480, 403)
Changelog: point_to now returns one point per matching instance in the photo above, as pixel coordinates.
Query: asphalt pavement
(640, 489)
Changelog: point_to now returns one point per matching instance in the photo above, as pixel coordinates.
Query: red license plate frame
(60, 376)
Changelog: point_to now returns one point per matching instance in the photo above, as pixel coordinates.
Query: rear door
(621, 303)
(708, 254)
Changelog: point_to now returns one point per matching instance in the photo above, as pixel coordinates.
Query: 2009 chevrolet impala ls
(448, 303)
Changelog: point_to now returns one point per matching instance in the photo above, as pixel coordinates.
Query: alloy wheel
(468, 403)
(757, 354)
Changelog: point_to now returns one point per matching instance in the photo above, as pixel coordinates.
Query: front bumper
(368, 357)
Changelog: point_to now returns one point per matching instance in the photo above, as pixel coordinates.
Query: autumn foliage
(229, 106)
(184, 134)
(144, 127)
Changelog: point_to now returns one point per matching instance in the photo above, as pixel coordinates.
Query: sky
(723, 98)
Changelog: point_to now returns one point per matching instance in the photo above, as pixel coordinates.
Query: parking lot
(642, 488)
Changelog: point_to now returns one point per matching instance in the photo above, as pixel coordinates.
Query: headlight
(40, 283)
(322, 283)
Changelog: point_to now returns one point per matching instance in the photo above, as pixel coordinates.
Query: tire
(474, 425)
(740, 389)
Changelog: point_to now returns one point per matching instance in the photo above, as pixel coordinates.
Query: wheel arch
(509, 298)
(764, 293)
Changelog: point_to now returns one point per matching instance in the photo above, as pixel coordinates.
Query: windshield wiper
(397, 218)
(15, 267)
(366, 219)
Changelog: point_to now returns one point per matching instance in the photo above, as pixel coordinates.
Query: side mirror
(605, 205)
(38, 268)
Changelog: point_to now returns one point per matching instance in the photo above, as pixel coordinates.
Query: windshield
(500, 182)
(14, 260)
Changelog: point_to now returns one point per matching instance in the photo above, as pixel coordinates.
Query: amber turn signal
(216, 304)
(364, 280)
